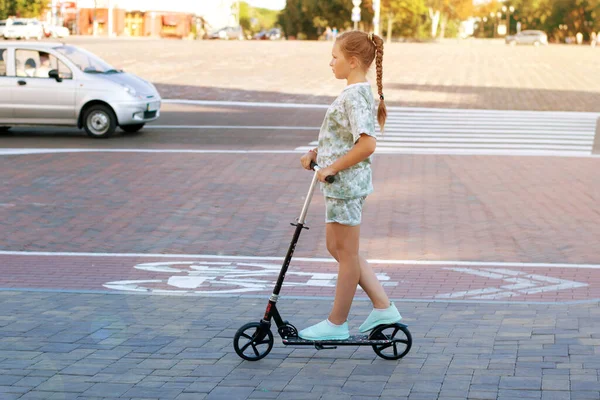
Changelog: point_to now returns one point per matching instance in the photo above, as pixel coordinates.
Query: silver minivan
(60, 84)
(531, 37)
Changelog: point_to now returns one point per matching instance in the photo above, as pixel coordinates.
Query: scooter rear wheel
(400, 345)
(254, 344)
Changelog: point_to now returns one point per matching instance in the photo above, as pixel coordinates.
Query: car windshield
(18, 23)
(86, 61)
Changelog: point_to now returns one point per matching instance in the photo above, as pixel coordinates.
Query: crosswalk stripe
(488, 132)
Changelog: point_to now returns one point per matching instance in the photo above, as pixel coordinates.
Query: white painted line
(244, 104)
(485, 124)
(381, 150)
(504, 271)
(497, 296)
(391, 130)
(72, 150)
(519, 283)
(476, 145)
(490, 146)
(467, 293)
(491, 118)
(304, 259)
(562, 286)
(486, 152)
(469, 111)
(479, 273)
(396, 135)
(497, 129)
(473, 145)
(486, 140)
(524, 285)
(257, 127)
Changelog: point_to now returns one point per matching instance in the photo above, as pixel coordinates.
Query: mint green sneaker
(381, 317)
(324, 331)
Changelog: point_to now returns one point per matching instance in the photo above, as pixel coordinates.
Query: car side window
(37, 64)
(3, 56)
(63, 71)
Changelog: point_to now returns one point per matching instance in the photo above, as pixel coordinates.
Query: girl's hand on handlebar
(324, 173)
(307, 159)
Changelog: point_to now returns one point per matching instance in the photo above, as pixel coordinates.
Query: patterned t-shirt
(349, 116)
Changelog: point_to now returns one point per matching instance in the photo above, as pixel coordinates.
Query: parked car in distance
(271, 34)
(24, 29)
(46, 84)
(228, 33)
(2, 28)
(55, 31)
(530, 37)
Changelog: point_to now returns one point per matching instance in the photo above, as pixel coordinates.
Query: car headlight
(130, 90)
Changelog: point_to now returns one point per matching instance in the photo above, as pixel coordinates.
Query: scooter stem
(308, 199)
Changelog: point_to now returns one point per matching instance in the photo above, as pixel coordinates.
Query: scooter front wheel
(399, 346)
(253, 342)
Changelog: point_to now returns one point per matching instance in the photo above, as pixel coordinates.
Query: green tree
(405, 17)
(22, 8)
(254, 19)
(309, 18)
(442, 11)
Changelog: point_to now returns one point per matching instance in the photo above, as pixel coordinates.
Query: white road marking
(451, 111)
(251, 127)
(301, 150)
(303, 259)
(525, 284)
(221, 278)
(486, 132)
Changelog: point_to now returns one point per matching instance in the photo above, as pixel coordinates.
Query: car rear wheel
(99, 121)
(132, 128)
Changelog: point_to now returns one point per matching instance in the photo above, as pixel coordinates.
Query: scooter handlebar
(315, 167)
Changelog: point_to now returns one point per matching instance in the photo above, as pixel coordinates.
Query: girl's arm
(363, 148)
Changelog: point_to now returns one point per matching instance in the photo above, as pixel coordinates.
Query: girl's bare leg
(345, 239)
(368, 280)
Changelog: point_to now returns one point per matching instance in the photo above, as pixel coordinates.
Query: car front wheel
(132, 128)
(99, 121)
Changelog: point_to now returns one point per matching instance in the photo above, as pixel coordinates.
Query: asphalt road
(190, 127)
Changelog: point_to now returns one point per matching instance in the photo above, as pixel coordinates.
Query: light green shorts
(344, 211)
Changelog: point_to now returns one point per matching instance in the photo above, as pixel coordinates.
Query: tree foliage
(22, 8)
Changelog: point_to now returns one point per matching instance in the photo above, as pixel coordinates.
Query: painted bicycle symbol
(215, 277)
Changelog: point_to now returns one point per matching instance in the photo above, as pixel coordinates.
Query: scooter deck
(354, 340)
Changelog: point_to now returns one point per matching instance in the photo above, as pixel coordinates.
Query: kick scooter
(254, 340)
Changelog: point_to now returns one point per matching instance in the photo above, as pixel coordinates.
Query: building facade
(157, 18)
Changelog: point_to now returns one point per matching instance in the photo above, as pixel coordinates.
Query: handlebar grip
(315, 167)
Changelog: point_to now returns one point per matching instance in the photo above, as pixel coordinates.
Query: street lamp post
(493, 17)
(508, 11)
(376, 17)
(485, 20)
(356, 13)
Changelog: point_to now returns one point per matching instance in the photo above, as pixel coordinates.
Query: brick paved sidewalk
(522, 209)
(468, 74)
(90, 346)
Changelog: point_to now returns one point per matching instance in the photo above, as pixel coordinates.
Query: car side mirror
(54, 74)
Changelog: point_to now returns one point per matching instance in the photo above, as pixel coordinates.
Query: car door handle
(22, 83)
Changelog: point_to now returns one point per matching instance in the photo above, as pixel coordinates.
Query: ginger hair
(366, 47)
